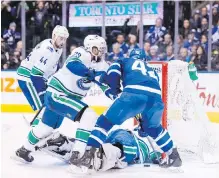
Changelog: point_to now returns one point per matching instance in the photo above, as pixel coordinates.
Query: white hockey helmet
(60, 31)
(99, 42)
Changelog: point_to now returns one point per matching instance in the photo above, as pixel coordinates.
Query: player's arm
(112, 79)
(41, 66)
(113, 76)
(76, 66)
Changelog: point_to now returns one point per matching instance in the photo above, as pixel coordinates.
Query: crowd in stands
(192, 41)
(42, 17)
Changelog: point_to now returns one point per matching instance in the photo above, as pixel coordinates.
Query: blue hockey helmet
(138, 54)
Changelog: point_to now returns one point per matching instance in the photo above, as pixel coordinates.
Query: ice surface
(14, 132)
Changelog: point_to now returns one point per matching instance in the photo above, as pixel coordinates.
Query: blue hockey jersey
(136, 76)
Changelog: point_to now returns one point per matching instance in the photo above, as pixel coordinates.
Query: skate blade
(18, 159)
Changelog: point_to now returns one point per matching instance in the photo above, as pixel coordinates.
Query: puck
(146, 165)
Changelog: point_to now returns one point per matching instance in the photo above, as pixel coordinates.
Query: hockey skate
(87, 163)
(172, 160)
(24, 155)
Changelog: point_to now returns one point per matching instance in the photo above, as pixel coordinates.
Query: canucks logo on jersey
(84, 83)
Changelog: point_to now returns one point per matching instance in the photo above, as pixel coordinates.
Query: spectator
(191, 40)
(215, 60)
(132, 43)
(121, 40)
(215, 37)
(147, 47)
(14, 60)
(204, 43)
(154, 53)
(216, 27)
(196, 20)
(11, 36)
(19, 46)
(4, 53)
(180, 43)
(39, 19)
(204, 13)
(194, 52)
(6, 12)
(163, 45)
(201, 60)
(169, 54)
(156, 33)
(54, 11)
(183, 56)
(204, 26)
(215, 14)
(72, 47)
(116, 54)
(186, 29)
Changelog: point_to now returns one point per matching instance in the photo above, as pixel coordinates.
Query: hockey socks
(99, 134)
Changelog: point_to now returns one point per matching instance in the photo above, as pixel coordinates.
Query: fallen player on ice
(122, 148)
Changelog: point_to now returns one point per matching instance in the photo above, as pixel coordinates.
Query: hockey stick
(36, 115)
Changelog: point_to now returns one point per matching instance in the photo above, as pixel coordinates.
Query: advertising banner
(90, 15)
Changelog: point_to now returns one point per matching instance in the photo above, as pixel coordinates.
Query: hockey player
(63, 96)
(122, 148)
(141, 94)
(39, 65)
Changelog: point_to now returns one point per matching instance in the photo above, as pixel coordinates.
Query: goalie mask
(96, 45)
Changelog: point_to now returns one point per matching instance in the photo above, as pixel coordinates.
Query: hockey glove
(91, 74)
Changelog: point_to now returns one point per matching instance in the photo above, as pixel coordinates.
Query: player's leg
(49, 122)
(66, 106)
(75, 110)
(31, 94)
(34, 99)
(121, 110)
(87, 119)
(126, 106)
(151, 124)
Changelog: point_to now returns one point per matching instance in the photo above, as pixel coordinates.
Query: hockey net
(184, 116)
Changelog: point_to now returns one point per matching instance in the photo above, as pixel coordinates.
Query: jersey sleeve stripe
(36, 71)
(71, 59)
(115, 64)
(144, 88)
(23, 71)
(56, 84)
(113, 71)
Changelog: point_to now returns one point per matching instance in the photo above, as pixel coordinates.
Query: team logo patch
(84, 84)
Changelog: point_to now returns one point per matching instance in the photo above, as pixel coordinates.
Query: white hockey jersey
(70, 80)
(42, 61)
